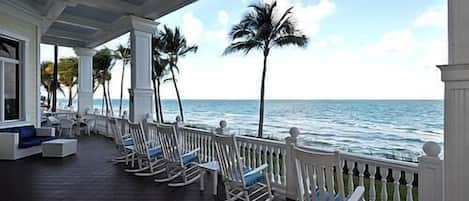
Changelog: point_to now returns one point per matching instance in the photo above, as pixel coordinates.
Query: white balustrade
(383, 179)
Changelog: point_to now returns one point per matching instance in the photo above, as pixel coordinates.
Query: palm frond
(297, 40)
(245, 46)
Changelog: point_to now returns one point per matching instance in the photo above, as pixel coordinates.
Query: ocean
(394, 129)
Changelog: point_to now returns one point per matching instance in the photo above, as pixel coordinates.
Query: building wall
(23, 29)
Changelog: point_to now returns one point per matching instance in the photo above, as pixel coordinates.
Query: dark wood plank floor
(86, 176)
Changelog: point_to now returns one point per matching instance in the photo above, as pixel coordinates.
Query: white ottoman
(59, 148)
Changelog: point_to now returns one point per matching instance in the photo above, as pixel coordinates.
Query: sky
(358, 49)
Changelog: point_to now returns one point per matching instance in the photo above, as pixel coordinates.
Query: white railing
(384, 179)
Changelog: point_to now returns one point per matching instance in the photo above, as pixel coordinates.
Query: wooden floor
(85, 176)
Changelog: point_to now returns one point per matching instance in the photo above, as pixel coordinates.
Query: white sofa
(9, 144)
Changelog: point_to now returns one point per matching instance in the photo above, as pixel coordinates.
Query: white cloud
(308, 17)
(192, 27)
(432, 17)
(223, 17)
(398, 42)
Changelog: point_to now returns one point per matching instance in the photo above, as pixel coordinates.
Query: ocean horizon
(387, 128)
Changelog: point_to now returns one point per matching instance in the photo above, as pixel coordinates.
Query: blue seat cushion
(23, 131)
(33, 141)
(326, 197)
(187, 158)
(155, 152)
(128, 142)
(252, 178)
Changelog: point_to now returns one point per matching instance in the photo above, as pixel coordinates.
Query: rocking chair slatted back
(139, 138)
(228, 158)
(117, 133)
(169, 143)
(316, 175)
(152, 135)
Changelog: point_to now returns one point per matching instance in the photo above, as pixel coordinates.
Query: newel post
(222, 130)
(179, 124)
(292, 189)
(147, 119)
(430, 173)
(124, 121)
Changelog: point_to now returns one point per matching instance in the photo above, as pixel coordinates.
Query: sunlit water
(385, 128)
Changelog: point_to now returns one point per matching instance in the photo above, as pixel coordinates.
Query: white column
(140, 85)
(85, 78)
(456, 103)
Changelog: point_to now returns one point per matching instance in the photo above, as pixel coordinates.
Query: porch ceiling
(89, 23)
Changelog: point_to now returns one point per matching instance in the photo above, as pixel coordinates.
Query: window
(10, 76)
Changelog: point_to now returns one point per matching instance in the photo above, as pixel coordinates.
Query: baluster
(249, 155)
(350, 167)
(271, 164)
(284, 175)
(361, 173)
(277, 164)
(384, 189)
(245, 152)
(396, 175)
(372, 171)
(409, 178)
(254, 156)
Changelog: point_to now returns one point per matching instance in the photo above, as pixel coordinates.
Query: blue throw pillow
(27, 132)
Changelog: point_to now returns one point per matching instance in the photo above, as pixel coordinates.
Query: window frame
(21, 63)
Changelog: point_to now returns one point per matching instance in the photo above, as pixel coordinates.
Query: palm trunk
(177, 94)
(122, 88)
(261, 104)
(105, 98)
(155, 93)
(48, 96)
(109, 99)
(159, 101)
(70, 97)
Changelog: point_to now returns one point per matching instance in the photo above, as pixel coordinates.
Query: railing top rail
(249, 139)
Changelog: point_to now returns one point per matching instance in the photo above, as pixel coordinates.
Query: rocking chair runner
(149, 158)
(240, 181)
(316, 179)
(179, 165)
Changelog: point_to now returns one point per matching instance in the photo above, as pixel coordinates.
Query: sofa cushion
(33, 141)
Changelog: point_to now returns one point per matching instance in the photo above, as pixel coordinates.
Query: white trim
(16, 11)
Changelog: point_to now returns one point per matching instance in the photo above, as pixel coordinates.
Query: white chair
(179, 164)
(66, 125)
(124, 143)
(150, 159)
(317, 175)
(240, 181)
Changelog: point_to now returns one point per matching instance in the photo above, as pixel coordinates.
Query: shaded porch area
(88, 175)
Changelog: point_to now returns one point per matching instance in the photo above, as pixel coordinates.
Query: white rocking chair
(124, 143)
(316, 179)
(181, 168)
(150, 161)
(240, 181)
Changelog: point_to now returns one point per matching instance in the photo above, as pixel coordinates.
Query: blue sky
(358, 49)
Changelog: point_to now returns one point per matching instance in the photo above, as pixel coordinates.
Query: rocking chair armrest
(193, 151)
(258, 169)
(126, 136)
(357, 195)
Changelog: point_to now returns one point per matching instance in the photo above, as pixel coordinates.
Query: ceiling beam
(61, 41)
(120, 7)
(82, 22)
(53, 12)
(68, 34)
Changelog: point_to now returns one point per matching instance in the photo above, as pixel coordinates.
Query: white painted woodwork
(85, 78)
(140, 80)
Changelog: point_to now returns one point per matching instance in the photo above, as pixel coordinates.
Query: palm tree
(175, 46)
(124, 54)
(103, 61)
(68, 75)
(47, 80)
(159, 72)
(261, 28)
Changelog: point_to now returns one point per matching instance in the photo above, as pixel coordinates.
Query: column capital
(454, 72)
(81, 51)
(142, 24)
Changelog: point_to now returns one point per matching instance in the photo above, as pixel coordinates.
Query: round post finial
(223, 124)
(431, 149)
(294, 132)
(179, 122)
(124, 114)
(223, 128)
